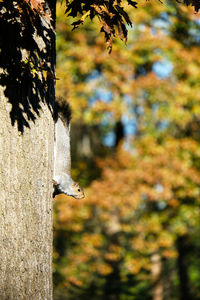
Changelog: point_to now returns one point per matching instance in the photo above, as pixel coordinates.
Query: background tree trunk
(26, 154)
(156, 272)
(183, 264)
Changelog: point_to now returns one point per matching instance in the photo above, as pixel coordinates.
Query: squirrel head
(65, 185)
(77, 191)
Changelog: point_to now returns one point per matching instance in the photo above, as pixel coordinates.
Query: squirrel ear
(55, 182)
(75, 184)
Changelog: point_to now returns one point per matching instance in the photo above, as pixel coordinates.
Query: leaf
(195, 3)
(73, 8)
(124, 14)
(122, 31)
(133, 3)
(108, 31)
(36, 5)
(76, 24)
(112, 17)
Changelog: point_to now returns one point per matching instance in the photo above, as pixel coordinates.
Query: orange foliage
(148, 196)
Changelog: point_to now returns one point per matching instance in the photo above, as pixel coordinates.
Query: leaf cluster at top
(111, 14)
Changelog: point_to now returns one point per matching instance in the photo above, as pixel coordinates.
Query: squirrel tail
(62, 110)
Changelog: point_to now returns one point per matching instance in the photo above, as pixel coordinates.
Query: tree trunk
(156, 272)
(26, 154)
(182, 263)
(119, 132)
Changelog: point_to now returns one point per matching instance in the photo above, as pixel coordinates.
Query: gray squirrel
(62, 181)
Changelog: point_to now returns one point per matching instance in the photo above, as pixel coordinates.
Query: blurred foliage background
(136, 151)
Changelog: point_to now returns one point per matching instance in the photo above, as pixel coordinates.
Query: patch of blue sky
(130, 128)
(142, 27)
(107, 119)
(197, 21)
(163, 21)
(109, 139)
(165, 16)
(128, 99)
(92, 100)
(93, 76)
(161, 205)
(159, 188)
(153, 31)
(130, 125)
(157, 51)
(101, 93)
(159, 23)
(195, 33)
(104, 94)
(163, 68)
(163, 125)
(139, 110)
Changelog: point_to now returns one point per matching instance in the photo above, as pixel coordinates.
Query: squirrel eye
(79, 190)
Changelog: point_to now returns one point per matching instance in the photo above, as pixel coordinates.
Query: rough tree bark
(26, 151)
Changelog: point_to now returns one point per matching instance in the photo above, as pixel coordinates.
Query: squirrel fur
(62, 180)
